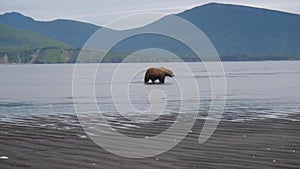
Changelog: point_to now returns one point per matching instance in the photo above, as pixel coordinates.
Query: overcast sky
(101, 12)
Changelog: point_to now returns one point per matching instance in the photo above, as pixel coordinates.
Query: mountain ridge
(248, 26)
(243, 7)
(71, 32)
(238, 32)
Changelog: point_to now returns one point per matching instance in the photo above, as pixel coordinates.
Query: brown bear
(159, 73)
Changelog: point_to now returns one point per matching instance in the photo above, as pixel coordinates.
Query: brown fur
(159, 73)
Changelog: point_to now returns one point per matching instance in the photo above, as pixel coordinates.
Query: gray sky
(101, 12)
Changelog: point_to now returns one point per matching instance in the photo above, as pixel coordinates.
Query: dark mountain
(240, 30)
(70, 32)
(237, 32)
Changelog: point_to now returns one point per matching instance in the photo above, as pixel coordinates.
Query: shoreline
(53, 143)
(226, 61)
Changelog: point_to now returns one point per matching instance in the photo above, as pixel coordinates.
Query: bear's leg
(146, 79)
(162, 80)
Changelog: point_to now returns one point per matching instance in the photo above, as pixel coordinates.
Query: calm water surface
(254, 89)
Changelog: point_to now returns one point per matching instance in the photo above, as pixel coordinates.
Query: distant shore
(54, 55)
(49, 142)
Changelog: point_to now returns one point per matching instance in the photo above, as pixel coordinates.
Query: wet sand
(55, 142)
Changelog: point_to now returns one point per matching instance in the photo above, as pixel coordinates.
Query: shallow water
(259, 129)
(255, 90)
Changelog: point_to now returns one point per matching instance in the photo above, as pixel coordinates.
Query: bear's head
(168, 72)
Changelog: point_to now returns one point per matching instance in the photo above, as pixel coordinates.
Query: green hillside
(12, 39)
(70, 32)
